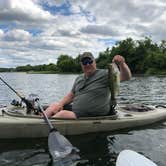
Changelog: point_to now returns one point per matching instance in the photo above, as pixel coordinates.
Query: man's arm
(67, 99)
(56, 107)
(125, 73)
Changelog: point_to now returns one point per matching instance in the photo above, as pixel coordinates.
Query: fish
(113, 83)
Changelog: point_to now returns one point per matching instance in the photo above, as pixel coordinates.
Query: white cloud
(17, 35)
(51, 2)
(84, 27)
(22, 11)
(104, 30)
(1, 33)
(118, 16)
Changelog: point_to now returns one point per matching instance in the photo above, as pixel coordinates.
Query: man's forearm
(67, 99)
(125, 73)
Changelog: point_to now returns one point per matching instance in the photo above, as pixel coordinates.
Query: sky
(38, 31)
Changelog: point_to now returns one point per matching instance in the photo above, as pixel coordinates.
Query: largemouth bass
(114, 83)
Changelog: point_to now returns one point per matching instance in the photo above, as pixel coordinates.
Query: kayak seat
(111, 113)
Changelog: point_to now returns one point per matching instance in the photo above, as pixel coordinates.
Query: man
(90, 95)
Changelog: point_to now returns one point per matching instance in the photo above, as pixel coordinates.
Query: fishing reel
(31, 104)
(16, 103)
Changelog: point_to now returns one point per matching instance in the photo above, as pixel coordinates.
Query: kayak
(16, 123)
(132, 158)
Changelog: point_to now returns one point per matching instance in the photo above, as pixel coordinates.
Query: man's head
(88, 63)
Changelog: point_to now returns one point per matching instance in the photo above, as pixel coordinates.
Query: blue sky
(38, 31)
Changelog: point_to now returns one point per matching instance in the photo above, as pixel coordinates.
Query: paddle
(59, 146)
(27, 103)
(132, 158)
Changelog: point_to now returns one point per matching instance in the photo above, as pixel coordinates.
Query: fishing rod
(27, 102)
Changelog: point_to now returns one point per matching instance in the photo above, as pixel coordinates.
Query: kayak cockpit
(122, 111)
(16, 111)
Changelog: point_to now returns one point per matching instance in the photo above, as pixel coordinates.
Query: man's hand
(125, 73)
(53, 109)
(118, 59)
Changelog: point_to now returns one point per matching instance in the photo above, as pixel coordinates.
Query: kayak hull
(22, 126)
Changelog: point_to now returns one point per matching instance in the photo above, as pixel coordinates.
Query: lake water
(100, 149)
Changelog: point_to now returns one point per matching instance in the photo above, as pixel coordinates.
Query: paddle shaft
(51, 127)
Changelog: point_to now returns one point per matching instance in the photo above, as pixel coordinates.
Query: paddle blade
(59, 146)
(70, 160)
(131, 158)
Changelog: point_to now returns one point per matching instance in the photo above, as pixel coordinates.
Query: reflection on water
(27, 152)
(52, 87)
(49, 87)
(147, 90)
(100, 149)
(24, 158)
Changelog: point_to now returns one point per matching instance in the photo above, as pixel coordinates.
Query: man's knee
(65, 114)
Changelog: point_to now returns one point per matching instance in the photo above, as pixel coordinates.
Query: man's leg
(65, 114)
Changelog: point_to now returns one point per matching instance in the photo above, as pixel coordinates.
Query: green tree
(143, 50)
(163, 46)
(65, 63)
(51, 67)
(24, 68)
(103, 59)
(142, 56)
(77, 65)
(126, 48)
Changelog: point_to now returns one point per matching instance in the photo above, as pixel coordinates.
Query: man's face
(88, 66)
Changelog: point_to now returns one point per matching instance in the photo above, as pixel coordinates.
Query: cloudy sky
(38, 31)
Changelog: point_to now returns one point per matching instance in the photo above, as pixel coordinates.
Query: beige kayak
(15, 123)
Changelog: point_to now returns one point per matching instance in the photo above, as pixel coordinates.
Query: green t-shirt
(92, 94)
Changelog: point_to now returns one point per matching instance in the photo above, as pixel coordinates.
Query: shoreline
(53, 72)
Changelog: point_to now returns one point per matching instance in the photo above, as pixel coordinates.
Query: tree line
(143, 57)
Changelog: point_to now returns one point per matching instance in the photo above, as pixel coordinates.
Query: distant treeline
(142, 56)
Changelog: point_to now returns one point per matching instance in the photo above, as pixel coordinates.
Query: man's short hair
(86, 55)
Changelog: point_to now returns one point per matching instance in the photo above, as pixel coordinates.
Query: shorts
(68, 107)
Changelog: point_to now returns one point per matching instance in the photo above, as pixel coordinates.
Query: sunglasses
(86, 61)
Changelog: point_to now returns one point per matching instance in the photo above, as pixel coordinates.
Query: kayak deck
(20, 125)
